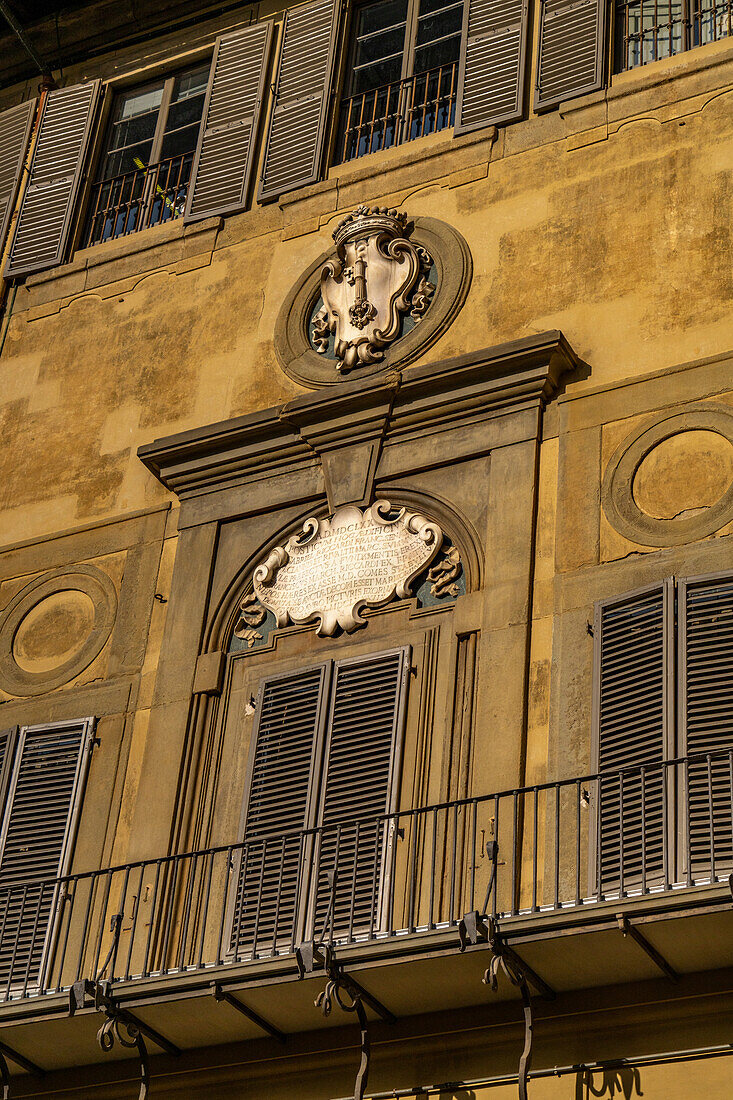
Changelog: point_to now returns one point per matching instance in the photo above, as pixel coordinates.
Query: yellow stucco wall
(609, 219)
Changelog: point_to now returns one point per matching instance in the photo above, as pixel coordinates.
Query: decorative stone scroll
(336, 567)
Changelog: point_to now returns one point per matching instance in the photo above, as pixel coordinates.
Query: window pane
(134, 118)
(138, 103)
(180, 141)
(440, 53)
(374, 76)
(185, 112)
(444, 23)
(713, 20)
(650, 32)
(134, 130)
(127, 160)
(375, 17)
(378, 46)
(191, 83)
(428, 6)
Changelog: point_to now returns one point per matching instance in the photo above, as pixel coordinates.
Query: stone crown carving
(378, 277)
(366, 220)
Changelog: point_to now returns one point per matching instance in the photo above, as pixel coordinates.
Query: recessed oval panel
(53, 631)
(684, 473)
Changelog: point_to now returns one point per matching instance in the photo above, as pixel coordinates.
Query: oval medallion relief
(54, 628)
(672, 481)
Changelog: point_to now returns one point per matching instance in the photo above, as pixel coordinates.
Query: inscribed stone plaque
(336, 567)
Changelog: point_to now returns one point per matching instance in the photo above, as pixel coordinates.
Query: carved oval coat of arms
(377, 278)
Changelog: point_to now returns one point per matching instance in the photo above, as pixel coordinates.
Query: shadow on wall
(458, 1094)
(623, 1083)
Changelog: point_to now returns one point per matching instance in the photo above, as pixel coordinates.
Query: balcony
(133, 201)
(593, 881)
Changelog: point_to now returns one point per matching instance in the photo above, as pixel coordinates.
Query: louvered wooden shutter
(491, 79)
(15, 130)
(571, 50)
(39, 823)
(295, 138)
(56, 168)
(363, 738)
(287, 743)
(223, 161)
(705, 610)
(633, 655)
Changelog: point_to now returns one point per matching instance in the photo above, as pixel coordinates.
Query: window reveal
(325, 756)
(403, 74)
(144, 173)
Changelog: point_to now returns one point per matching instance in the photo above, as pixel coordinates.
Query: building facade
(366, 592)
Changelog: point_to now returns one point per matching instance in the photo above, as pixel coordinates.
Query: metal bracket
(348, 996)
(135, 1031)
(511, 964)
(475, 929)
(658, 959)
(5, 1074)
(472, 929)
(221, 994)
(311, 957)
(340, 987)
(8, 1054)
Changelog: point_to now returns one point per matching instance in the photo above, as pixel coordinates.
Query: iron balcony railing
(152, 194)
(395, 113)
(646, 830)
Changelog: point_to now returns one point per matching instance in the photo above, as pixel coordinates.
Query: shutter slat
(631, 731)
(571, 50)
(706, 708)
(223, 162)
(360, 758)
(15, 130)
(289, 714)
(46, 212)
(38, 827)
(297, 124)
(491, 74)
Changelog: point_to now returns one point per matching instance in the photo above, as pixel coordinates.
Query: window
(323, 768)
(42, 773)
(649, 32)
(146, 166)
(664, 734)
(402, 76)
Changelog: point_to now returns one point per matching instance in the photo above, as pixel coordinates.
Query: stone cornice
(217, 455)
(465, 389)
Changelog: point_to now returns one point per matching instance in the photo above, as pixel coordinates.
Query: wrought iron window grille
(132, 201)
(650, 30)
(397, 113)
